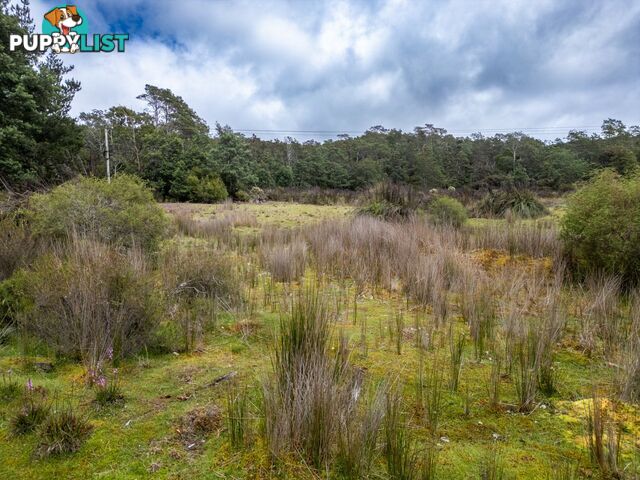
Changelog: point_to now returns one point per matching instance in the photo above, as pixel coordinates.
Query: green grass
(132, 441)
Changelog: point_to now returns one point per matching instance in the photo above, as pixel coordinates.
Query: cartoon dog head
(64, 18)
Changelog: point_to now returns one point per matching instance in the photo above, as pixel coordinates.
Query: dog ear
(72, 9)
(53, 17)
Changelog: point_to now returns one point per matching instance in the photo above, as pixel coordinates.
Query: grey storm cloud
(347, 65)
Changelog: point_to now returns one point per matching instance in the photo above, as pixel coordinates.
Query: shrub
(257, 195)
(86, 300)
(601, 227)
(64, 431)
(520, 203)
(209, 189)
(11, 301)
(122, 212)
(17, 247)
(242, 196)
(448, 211)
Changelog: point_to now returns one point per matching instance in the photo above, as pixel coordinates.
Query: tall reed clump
(308, 392)
(238, 417)
(429, 390)
(537, 240)
(88, 300)
(456, 349)
(358, 435)
(399, 447)
(286, 263)
(603, 438)
(478, 308)
(198, 281)
(492, 465)
(628, 374)
(602, 320)
(531, 338)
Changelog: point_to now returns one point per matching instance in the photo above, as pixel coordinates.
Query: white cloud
(350, 64)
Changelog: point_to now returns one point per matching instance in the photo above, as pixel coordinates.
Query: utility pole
(106, 143)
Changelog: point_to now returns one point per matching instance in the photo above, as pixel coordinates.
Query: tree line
(173, 149)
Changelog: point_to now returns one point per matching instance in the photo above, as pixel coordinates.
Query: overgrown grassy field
(459, 324)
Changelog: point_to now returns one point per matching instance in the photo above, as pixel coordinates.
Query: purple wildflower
(102, 381)
(29, 385)
(110, 353)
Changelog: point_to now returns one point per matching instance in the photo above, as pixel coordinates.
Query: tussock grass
(63, 431)
(31, 415)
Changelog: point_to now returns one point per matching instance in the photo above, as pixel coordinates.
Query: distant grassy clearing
(280, 214)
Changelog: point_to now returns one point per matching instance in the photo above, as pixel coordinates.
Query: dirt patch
(197, 425)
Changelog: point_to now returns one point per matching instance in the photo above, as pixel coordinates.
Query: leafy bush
(520, 203)
(64, 431)
(87, 300)
(448, 211)
(242, 196)
(209, 189)
(601, 227)
(122, 212)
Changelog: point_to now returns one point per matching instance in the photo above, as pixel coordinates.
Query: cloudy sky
(535, 65)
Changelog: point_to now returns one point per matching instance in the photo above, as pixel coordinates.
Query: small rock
(496, 436)
(480, 422)
(444, 439)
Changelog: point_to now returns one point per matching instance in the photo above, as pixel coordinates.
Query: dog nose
(76, 18)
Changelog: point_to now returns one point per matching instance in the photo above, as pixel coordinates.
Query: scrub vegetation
(282, 340)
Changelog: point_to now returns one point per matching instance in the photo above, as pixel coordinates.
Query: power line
(330, 133)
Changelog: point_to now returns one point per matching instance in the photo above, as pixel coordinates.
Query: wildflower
(29, 386)
(110, 353)
(101, 381)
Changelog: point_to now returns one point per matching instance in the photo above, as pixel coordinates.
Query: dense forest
(174, 150)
